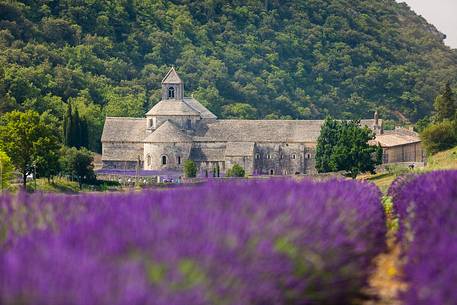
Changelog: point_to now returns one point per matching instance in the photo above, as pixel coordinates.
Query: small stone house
(180, 128)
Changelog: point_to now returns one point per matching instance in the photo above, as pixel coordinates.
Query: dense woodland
(247, 59)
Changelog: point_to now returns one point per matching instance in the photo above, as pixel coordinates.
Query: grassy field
(443, 160)
(59, 185)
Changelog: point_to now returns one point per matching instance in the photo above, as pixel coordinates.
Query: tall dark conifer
(67, 126)
(446, 104)
(76, 130)
(84, 133)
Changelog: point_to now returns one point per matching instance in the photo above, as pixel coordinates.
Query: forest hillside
(246, 59)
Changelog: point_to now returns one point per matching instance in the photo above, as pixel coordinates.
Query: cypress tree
(68, 123)
(84, 133)
(76, 130)
(446, 105)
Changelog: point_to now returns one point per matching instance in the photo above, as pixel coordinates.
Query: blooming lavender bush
(427, 208)
(256, 242)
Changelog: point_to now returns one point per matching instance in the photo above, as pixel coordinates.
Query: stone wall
(283, 159)
(124, 165)
(245, 162)
(404, 153)
(175, 154)
(120, 155)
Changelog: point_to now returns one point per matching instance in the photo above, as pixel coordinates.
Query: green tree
(440, 136)
(446, 105)
(280, 59)
(190, 169)
(327, 141)
(236, 171)
(48, 146)
(75, 128)
(29, 138)
(239, 111)
(344, 146)
(77, 164)
(6, 170)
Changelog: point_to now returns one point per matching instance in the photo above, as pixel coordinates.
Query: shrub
(440, 136)
(190, 169)
(236, 171)
(255, 242)
(77, 164)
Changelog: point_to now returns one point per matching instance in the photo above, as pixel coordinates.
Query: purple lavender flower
(241, 242)
(427, 208)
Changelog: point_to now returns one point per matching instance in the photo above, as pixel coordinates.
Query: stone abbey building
(180, 128)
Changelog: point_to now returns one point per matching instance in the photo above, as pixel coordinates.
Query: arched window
(272, 172)
(257, 156)
(164, 160)
(148, 160)
(171, 92)
(308, 156)
(294, 156)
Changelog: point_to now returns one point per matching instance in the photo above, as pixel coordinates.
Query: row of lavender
(257, 242)
(427, 208)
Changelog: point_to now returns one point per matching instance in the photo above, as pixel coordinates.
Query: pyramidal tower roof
(167, 133)
(172, 77)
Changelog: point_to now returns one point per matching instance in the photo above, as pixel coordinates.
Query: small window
(148, 158)
(294, 156)
(272, 172)
(149, 123)
(189, 124)
(164, 160)
(268, 156)
(171, 92)
(257, 156)
(179, 160)
(308, 156)
(154, 122)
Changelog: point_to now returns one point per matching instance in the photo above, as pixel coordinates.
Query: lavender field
(274, 242)
(255, 242)
(427, 209)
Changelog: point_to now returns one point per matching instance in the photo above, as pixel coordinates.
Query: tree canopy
(246, 59)
(446, 105)
(6, 170)
(344, 146)
(77, 164)
(441, 131)
(32, 141)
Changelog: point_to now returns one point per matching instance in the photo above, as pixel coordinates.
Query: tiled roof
(172, 77)
(124, 129)
(263, 130)
(172, 107)
(168, 133)
(397, 137)
(204, 112)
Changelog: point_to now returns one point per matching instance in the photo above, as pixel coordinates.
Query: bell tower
(172, 86)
